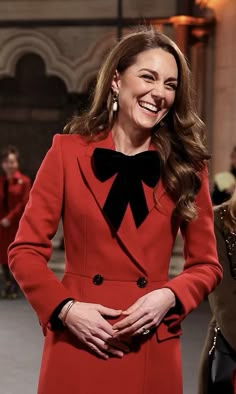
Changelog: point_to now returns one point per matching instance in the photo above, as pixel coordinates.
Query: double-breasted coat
(109, 268)
(12, 205)
(222, 300)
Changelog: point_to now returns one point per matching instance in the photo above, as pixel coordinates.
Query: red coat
(18, 193)
(66, 185)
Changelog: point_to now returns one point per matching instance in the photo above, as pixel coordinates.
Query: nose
(158, 93)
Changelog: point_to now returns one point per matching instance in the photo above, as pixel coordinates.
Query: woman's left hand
(146, 313)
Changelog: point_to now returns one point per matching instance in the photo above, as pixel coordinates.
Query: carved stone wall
(65, 51)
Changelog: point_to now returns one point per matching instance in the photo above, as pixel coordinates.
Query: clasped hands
(87, 322)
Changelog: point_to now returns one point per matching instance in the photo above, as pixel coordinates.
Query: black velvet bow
(127, 186)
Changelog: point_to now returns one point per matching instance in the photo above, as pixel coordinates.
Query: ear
(115, 85)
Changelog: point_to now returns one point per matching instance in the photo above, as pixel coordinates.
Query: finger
(108, 311)
(106, 327)
(133, 307)
(114, 342)
(140, 331)
(106, 348)
(97, 351)
(129, 320)
(136, 327)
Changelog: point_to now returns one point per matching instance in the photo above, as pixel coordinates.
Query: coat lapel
(127, 233)
(98, 189)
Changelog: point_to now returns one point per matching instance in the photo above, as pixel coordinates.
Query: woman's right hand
(87, 323)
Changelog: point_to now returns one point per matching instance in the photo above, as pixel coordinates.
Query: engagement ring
(145, 331)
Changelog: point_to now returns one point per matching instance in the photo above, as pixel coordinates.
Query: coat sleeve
(17, 211)
(222, 300)
(32, 248)
(202, 271)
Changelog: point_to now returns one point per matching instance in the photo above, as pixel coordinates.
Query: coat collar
(127, 233)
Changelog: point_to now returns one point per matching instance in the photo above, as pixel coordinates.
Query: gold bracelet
(69, 306)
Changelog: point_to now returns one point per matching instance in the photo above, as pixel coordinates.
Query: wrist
(65, 310)
(171, 296)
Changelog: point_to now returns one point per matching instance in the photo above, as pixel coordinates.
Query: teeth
(148, 106)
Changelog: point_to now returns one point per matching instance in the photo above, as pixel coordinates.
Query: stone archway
(76, 73)
(33, 107)
(30, 112)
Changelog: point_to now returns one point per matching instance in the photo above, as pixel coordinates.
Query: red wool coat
(18, 193)
(108, 269)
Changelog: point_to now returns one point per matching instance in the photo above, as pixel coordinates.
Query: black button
(142, 282)
(98, 279)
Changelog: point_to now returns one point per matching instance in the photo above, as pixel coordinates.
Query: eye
(148, 77)
(171, 86)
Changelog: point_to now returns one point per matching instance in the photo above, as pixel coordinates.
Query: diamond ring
(145, 331)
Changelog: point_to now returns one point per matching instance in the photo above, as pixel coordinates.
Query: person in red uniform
(14, 193)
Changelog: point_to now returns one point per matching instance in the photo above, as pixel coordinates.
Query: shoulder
(69, 142)
(69, 139)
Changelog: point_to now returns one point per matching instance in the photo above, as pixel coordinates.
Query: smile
(150, 107)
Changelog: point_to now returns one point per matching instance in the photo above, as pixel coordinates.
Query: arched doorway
(33, 107)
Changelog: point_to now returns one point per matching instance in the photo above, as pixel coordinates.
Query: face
(146, 89)
(10, 164)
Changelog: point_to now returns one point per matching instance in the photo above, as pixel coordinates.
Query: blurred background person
(14, 192)
(225, 182)
(223, 299)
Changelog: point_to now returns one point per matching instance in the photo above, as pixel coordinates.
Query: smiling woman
(131, 172)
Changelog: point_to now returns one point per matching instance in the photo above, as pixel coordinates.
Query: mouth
(149, 107)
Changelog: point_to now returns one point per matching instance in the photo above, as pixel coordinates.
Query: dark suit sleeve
(223, 299)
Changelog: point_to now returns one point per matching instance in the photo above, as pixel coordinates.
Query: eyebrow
(170, 79)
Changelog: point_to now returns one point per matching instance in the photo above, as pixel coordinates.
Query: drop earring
(115, 102)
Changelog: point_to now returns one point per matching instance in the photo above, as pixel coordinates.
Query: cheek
(171, 99)
(125, 99)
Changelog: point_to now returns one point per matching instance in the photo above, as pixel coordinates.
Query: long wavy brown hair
(230, 214)
(180, 141)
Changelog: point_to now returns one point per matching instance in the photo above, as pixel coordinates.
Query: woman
(129, 174)
(222, 300)
(14, 192)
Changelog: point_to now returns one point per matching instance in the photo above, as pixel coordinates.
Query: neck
(130, 143)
